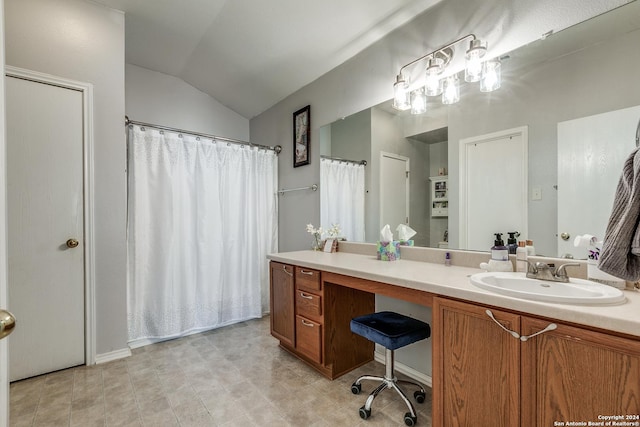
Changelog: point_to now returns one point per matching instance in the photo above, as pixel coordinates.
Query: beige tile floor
(236, 375)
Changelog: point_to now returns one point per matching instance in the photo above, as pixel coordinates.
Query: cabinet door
(282, 303)
(573, 374)
(476, 366)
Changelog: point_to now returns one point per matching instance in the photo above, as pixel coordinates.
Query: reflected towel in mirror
(620, 255)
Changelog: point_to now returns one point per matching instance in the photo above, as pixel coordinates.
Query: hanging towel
(620, 255)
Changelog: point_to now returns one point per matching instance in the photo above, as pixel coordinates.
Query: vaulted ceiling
(250, 54)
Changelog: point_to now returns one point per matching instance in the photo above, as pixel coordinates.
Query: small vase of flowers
(317, 242)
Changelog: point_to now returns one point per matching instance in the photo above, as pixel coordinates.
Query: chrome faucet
(543, 271)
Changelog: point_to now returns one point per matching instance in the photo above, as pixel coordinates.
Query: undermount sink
(577, 291)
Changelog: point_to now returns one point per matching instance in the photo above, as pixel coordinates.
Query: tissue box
(388, 251)
(406, 242)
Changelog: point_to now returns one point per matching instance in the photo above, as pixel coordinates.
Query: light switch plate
(536, 193)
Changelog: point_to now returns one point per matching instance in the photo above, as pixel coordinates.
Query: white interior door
(493, 187)
(591, 152)
(394, 190)
(45, 210)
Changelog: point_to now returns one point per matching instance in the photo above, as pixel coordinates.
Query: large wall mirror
(574, 96)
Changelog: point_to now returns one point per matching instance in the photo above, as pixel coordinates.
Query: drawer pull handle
(513, 333)
(305, 296)
(305, 323)
(285, 270)
(551, 327)
(308, 273)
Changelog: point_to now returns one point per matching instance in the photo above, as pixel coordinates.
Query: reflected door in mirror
(591, 152)
(394, 190)
(493, 190)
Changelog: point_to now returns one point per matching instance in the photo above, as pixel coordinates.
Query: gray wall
(417, 356)
(367, 79)
(540, 96)
(351, 137)
(93, 51)
(84, 41)
(157, 98)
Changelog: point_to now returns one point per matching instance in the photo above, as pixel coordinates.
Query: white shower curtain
(202, 218)
(342, 197)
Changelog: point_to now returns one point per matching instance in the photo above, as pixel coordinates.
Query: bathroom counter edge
(453, 281)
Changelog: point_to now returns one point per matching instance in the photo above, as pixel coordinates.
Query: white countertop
(454, 282)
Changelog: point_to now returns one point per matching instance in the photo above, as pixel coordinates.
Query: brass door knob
(7, 323)
(72, 243)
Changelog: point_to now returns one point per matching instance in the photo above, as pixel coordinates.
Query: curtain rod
(360, 162)
(128, 122)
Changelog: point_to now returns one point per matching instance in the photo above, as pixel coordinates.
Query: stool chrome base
(389, 381)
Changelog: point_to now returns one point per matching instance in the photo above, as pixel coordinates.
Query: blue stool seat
(391, 330)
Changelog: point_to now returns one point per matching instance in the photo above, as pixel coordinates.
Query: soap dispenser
(499, 257)
(512, 243)
(499, 252)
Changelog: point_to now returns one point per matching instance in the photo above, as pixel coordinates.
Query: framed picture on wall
(301, 136)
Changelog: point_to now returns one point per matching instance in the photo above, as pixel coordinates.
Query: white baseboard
(113, 355)
(421, 377)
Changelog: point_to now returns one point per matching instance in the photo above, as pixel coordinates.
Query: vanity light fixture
(491, 77)
(477, 69)
(451, 91)
(433, 83)
(401, 100)
(418, 101)
(474, 55)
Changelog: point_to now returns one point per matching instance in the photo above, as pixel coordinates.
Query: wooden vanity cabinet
(311, 318)
(483, 375)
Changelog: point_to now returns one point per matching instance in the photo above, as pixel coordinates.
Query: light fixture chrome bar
(360, 162)
(128, 122)
(441, 49)
(313, 187)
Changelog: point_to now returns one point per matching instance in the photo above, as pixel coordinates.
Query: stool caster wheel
(356, 388)
(366, 413)
(409, 420)
(419, 396)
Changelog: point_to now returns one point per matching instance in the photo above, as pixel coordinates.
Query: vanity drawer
(309, 338)
(308, 304)
(308, 278)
